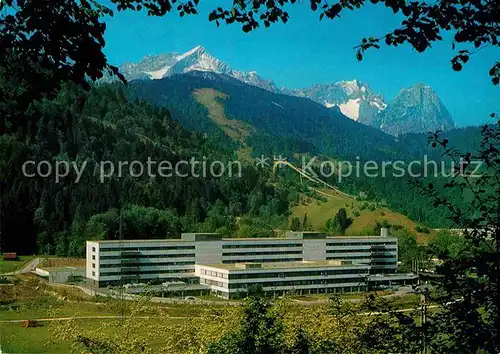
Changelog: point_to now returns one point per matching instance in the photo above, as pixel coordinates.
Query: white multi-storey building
(304, 277)
(140, 261)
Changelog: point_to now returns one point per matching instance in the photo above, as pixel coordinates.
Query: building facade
(303, 277)
(134, 261)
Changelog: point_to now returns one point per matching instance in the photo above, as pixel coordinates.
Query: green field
(29, 298)
(11, 266)
(16, 339)
(235, 129)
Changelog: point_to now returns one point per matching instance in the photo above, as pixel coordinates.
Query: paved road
(115, 294)
(54, 319)
(401, 310)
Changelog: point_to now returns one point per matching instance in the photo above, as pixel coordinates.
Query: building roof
(257, 239)
(284, 265)
(140, 241)
(358, 236)
(243, 239)
(395, 276)
(63, 269)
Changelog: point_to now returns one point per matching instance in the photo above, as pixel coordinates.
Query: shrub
(422, 229)
(379, 225)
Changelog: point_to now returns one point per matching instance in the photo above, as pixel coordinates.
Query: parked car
(190, 298)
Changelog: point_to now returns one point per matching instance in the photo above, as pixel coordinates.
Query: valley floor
(52, 308)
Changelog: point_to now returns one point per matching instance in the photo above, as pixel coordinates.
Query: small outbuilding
(10, 256)
(65, 274)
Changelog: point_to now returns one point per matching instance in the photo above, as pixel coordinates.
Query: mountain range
(196, 59)
(353, 98)
(417, 109)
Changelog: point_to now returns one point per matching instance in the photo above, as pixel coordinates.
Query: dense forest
(49, 216)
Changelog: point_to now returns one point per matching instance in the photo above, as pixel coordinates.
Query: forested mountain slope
(283, 124)
(292, 127)
(274, 117)
(40, 214)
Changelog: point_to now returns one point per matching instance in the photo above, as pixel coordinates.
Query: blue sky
(306, 51)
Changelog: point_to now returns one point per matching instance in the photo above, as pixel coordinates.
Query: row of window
(264, 260)
(167, 248)
(229, 254)
(141, 256)
(353, 281)
(211, 282)
(263, 245)
(347, 250)
(292, 274)
(328, 244)
(145, 248)
(167, 271)
(159, 264)
(341, 257)
(245, 245)
(213, 273)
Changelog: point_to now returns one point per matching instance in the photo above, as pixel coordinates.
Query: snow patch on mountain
(196, 49)
(158, 74)
(354, 99)
(197, 59)
(351, 108)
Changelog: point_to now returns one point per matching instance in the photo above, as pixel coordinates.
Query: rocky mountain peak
(416, 109)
